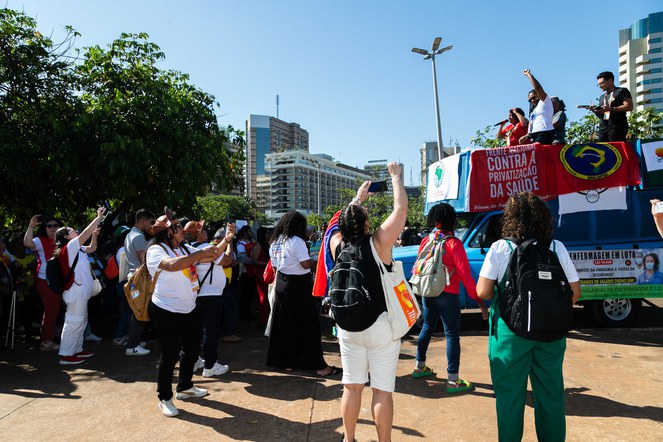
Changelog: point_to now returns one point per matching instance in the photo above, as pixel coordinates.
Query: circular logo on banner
(439, 174)
(591, 161)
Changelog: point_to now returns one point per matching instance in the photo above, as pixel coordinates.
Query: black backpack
(350, 301)
(55, 277)
(535, 299)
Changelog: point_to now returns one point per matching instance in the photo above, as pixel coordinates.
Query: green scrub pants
(512, 360)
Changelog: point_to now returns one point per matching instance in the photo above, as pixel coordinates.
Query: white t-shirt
(41, 258)
(497, 260)
(541, 117)
(287, 254)
(173, 291)
(82, 271)
(216, 280)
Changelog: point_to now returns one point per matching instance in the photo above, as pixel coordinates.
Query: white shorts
(372, 350)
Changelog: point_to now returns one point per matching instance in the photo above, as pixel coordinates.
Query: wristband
(356, 200)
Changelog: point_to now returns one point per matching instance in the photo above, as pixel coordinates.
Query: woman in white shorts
(371, 350)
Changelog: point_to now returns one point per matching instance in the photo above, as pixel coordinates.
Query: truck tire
(616, 312)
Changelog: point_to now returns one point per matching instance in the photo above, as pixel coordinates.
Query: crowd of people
(547, 118)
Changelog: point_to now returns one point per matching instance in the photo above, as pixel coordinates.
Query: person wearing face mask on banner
(651, 275)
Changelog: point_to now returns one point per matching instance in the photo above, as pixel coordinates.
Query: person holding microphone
(516, 129)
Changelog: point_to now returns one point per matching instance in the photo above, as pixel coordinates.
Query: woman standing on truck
(442, 219)
(512, 358)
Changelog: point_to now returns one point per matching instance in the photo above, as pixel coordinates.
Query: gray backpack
(429, 275)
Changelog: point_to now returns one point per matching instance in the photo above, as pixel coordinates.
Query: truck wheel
(616, 312)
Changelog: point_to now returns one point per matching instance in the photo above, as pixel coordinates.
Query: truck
(610, 248)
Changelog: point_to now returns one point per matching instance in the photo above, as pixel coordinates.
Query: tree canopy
(78, 127)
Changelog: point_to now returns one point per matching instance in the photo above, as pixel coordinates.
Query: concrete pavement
(614, 384)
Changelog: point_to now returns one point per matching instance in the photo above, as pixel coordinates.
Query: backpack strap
(209, 273)
(71, 269)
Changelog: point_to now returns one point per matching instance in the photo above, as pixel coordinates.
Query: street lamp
(431, 55)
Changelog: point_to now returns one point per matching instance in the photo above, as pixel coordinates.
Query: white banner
(653, 153)
(613, 198)
(443, 180)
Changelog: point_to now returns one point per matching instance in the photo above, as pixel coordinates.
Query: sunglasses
(176, 227)
(532, 99)
(53, 225)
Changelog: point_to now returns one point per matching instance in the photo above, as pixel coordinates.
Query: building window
(655, 40)
(652, 81)
(655, 50)
(655, 60)
(656, 100)
(655, 71)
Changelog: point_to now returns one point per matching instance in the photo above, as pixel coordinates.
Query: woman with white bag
(373, 349)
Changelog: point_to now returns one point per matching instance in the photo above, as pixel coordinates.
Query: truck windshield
(464, 222)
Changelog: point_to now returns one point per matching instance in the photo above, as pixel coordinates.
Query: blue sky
(344, 69)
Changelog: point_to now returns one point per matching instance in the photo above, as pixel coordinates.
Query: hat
(162, 223)
(194, 227)
(120, 230)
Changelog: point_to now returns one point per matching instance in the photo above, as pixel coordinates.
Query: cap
(120, 230)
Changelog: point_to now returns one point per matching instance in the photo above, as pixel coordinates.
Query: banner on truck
(442, 183)
(547, 171)
(630, 273)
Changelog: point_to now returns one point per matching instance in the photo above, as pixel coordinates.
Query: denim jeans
(447, 307)
(209, 308)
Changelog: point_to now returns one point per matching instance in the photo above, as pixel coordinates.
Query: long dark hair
(352, 222)
(164, 236)
(262, 239)
(61, 239)
(290, 225)
(41, 230)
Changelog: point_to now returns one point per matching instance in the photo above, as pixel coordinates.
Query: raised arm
(87, 232)
(386, 235)
(535, 85)
(28, 238)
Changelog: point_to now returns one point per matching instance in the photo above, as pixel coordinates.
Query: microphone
(501, 122)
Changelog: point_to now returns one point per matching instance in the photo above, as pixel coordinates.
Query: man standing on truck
(612, 108)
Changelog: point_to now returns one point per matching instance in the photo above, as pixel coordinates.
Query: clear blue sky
(344, 70)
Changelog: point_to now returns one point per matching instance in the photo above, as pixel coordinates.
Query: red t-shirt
(455, 260)
(514, 133)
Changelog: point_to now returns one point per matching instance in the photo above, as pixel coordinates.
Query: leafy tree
(316, 220)
(484, 138)
(644, 124)
(219, 208)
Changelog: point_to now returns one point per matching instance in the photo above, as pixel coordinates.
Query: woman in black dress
(294, 335)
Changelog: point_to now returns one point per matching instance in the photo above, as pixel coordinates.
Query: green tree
(484, 138)
(316, 220)
(644, 124)
(219, 208)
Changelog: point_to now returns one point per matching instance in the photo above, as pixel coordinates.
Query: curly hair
(442, 216)
(291, 224)
(351, 222)
(164, 236)
(526, 216)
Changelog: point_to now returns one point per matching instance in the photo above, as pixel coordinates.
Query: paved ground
(614, 385)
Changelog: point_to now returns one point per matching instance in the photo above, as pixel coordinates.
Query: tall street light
(431, 55)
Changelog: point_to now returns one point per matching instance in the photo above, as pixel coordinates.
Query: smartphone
(107, 205)
(659, 207)
(377, 186)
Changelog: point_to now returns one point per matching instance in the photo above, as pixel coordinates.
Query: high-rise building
(264, 135)
(377, 170)
(429, 156)
(307, 183)
(641, 61)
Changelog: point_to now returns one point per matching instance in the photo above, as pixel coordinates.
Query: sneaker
(168, 408)
(71, 360)
(217, 370)
(422, 372)
(120, 341)
(191, 393)
(48, 345)
(92, 338)
(136, 351)
(200, 363)
(84, 354)
(459, 386)
(231, 338)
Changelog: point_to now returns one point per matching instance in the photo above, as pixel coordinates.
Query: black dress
(294, 335)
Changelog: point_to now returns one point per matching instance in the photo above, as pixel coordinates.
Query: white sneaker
(191, 393)
(92, 338)
(200, 363)
(136, 351)
(218, 369)
(168, 408)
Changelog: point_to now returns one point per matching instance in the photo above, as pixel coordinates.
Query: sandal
(422, 372)
(333, 372)
(460, 386)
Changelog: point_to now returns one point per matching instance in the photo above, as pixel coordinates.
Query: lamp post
(431, 55)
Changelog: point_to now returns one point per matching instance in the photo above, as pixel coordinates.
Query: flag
(442, 179)
(325, 260)
(653, 154)
(613, 198)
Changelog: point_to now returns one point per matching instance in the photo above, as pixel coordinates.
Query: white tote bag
(402, 307)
